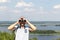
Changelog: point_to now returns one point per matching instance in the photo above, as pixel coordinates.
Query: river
(4, 27)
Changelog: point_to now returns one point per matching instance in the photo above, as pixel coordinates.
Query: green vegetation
(58, 39)
(43, 32)
(9, 36)
(33, 39)
(6, 36)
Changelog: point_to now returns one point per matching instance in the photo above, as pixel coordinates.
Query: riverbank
(10, 36)
(45, 32)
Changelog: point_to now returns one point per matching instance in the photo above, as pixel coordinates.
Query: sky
(33, 10)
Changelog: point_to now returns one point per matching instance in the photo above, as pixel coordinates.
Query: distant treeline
(43, 32)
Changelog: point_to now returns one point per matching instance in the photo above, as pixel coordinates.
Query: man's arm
(11, 27)
(32, 27)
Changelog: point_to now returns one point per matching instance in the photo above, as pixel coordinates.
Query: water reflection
(50, 37)
(39, 37)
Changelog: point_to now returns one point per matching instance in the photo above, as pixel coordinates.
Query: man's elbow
(9, 28)
(34, 29)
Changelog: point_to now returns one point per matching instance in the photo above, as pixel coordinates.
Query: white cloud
(16, 11)
(29, 10)
(3, 8)
(56, 6)
(24, 4)
(41, 8)
(4, 0)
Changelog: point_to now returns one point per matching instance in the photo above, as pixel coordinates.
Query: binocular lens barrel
(22, 20)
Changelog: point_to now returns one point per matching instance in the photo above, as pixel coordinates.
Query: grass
(43, 32)
(6, 36)
(9, 36)
(33, 39)
(58, 39)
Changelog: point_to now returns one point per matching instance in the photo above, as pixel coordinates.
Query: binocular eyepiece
(22, 20)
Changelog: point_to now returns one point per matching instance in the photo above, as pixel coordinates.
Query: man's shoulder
(17, 26)
(27, 27)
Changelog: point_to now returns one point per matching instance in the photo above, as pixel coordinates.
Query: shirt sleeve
(27, 27)
(16, 26)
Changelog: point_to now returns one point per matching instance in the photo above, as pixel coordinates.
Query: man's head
(22, 22)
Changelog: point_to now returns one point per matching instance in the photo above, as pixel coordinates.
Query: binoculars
(22, 20)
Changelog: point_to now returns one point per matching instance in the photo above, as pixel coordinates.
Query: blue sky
(33, 10)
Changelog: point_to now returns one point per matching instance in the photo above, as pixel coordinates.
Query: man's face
(22, 22)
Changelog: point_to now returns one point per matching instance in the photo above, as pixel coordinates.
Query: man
(22, 31)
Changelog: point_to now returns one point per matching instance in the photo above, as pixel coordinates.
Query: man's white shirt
(22, 34)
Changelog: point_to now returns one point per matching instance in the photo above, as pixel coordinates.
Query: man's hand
(11, 27)
(32, 27)
(26, 20)
(17, 22)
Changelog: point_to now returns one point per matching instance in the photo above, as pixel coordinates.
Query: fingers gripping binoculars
(22, 21)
